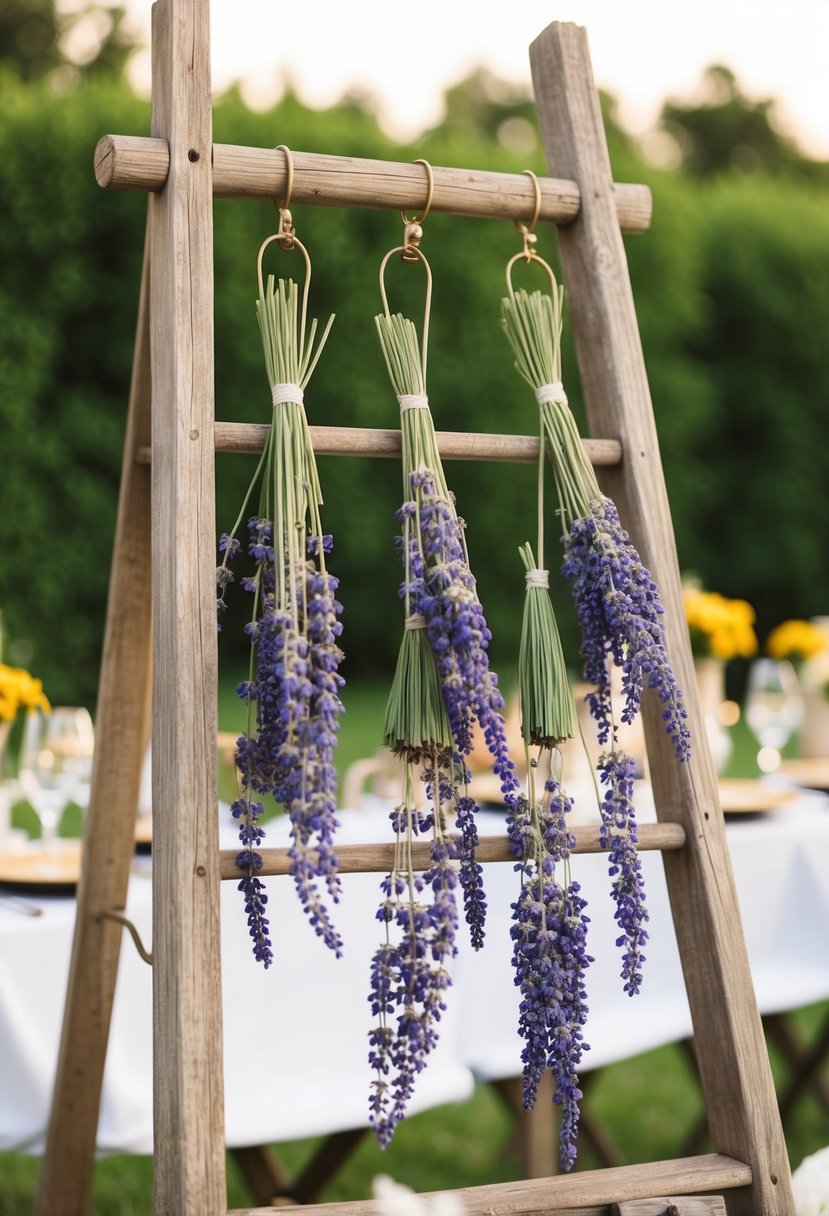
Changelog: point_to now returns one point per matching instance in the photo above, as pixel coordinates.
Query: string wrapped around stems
(293, 685)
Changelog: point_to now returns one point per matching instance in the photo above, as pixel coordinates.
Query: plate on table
(56, 869)
(813, 774)
(745, 796)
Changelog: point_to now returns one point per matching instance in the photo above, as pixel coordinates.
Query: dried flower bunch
(442, 687)
(619, 612)
(292, 690)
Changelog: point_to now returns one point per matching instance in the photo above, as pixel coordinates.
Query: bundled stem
(548, 712)
(532, 323)
(617, 601)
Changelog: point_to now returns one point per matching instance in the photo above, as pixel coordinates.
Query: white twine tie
(551, 392)
(281, 394)
(416, 621)
(413, 401)
(538, 578)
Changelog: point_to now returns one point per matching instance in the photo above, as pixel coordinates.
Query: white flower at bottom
(393, 1199)
(810, 1185)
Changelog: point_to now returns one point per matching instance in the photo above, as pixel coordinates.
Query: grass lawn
(648, 1104)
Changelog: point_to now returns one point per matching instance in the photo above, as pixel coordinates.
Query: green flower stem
(291, 493)
(416, 723)
(548, 712)
(532, 324)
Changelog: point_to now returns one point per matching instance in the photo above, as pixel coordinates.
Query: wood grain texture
(125, 162)
(249, 437)
(122, 721)
(379, 858)
(591, 1193)
(368, 441)
(685, 1205)
(736, 1079)
(189, 1173)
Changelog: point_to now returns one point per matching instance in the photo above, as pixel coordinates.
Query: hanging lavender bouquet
(617, 602)
(549, 931)
(442, 687)
(292, 689)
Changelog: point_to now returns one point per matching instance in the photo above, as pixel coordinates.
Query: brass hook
(286, 233)
(413, 230)
(527, 231)
(286, 237)
(415, 256)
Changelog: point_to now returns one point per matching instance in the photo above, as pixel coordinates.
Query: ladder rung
(130, 162)
(585, 1193)
(366, 441)
(379, 858)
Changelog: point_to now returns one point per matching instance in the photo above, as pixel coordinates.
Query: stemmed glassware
(56, 764)
(774, 708)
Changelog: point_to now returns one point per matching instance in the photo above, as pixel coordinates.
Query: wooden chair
(182, 171)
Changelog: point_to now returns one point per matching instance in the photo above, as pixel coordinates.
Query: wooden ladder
(182, 171)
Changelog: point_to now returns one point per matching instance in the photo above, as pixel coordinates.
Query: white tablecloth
(295, 1036)
(783, 889)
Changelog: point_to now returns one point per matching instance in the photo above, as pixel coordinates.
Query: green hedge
(731, 293)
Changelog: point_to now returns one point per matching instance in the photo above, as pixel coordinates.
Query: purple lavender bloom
(291, 754)
(440, 587)
(448, 789)
(471, 874)
(618, 834)
(619, 610)
(251, 835)
(409, 980)
(549, 935)
(445, 594)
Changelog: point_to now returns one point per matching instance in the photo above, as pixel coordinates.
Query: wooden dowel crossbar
(129, 162)
(366, 441)
(379, 858)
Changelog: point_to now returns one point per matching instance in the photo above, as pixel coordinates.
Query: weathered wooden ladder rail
(129, 162)
(250, 437)
(161, 632)
(380, 858)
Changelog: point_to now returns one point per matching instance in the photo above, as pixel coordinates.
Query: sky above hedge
(643, 51)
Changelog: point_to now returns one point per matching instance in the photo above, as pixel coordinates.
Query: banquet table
(295, 1036)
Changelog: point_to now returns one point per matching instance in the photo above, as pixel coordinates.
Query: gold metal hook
(286, 233)
(416, 256)
(531, 256)
(295, 243)
(527, 231)
(413, 231)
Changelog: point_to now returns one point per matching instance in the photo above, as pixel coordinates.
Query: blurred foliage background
(732, 290)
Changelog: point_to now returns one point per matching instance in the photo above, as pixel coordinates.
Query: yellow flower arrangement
(720, 628)
(19, 690)
(796, 640)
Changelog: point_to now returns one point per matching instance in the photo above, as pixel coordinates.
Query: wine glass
(774, 708)
(55, 763)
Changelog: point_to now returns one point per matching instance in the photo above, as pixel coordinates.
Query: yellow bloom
(720, 628)
(798, 640)
(19, 690)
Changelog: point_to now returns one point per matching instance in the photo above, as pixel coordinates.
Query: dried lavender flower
(292, 690)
